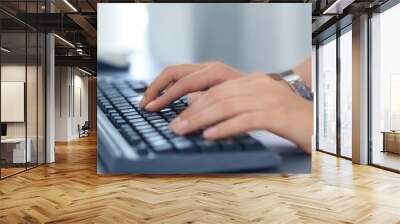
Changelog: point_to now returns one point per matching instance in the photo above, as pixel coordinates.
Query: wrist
(298, 122)
(304, 71)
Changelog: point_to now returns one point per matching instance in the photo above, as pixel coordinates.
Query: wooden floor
(5, 172)
(10, 171)
(70, 191)
(387, 159)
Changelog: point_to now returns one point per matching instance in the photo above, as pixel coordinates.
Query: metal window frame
(387, 5)
(339, 32)
(328, 39)
(381, 9)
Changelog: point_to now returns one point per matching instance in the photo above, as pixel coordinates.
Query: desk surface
(294, 160)
(391, 132)
(13, 140)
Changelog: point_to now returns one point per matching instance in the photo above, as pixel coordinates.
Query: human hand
(179, 80)
(255, 102)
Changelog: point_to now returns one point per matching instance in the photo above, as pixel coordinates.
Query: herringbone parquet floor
(70, 191)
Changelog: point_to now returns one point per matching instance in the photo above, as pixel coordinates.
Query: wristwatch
(296, 83)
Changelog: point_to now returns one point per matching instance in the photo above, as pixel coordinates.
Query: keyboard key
(134, 139)
(155, 138)
(145, 130)
(249, 143)
(183, 145)
(152, 135)
(164, 148)
(139, 122)
(141, 148)
(118, 122)
(125, 111)
(228, 145)
(132, 116)
(138, 86)
(207, 145)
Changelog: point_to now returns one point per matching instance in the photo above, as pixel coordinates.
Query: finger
(239, 124)
(169, 86)
(217, 112)
(192, 97)
(232, 88)
(168, 75)
(196, 81)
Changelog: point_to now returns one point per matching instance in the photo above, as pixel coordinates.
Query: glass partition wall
(385, 89)
(22, 107)
(327, 96)
(334, 82)
(13, 110)
(345, 93)
(334, 104)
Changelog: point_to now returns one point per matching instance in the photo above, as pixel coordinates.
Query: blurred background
(250, 37)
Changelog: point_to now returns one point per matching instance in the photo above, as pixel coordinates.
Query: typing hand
(254, 102)
(179, 80)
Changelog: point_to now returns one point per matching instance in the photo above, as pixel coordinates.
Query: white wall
(81, 100)
(17, 73)
(62, 81)
(69, 82)
(33, 126)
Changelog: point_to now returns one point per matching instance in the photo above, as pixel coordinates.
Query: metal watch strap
(295, 82)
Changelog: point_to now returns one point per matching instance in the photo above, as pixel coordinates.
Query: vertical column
(50, 98)
(316, 97)
(338, 91)
(92, 103)
(360, 90)
(314, 90)
(50, 92)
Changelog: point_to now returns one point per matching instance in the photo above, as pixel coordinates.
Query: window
(327, 96)
(385, 89)
(346, 92)
(330, 133)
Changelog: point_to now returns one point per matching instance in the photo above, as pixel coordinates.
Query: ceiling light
(65, 41)
(79, 51)
(337, 7)
(5, 50)
(70, 5)
(84, 71)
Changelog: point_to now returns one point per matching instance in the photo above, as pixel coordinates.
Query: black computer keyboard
(151, 138)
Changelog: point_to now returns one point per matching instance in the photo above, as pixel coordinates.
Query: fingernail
(141, 104)
(179, 125)
(150, 105)
(210, 132)
(190, 99)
